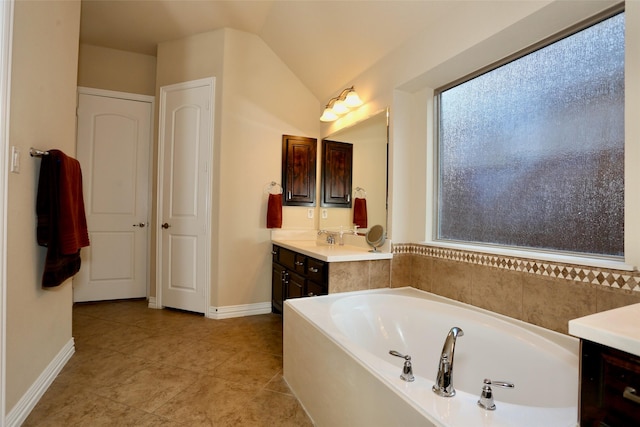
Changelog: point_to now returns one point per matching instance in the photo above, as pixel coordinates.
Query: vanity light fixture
(341, 104)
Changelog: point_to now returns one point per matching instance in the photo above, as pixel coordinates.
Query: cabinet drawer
(316, 270)
(300, 263)
(287, 258)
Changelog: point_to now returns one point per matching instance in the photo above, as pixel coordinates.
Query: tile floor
(136, 366)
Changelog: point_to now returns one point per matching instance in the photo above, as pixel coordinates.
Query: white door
(185, 148)
(113, 142)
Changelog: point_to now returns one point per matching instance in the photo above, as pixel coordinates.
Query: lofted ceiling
(326, 43)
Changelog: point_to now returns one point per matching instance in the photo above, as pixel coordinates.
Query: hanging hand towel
(360, 212)
(274, 211)
(62, 225)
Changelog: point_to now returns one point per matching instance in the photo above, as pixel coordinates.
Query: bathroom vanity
(609, 367)
(305, 266)
(296, 275)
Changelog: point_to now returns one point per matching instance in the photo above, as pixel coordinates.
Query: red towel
(274, 211)
(73, 223)
(360, 212)
(62, 225)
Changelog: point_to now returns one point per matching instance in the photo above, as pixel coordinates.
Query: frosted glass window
(531, 154)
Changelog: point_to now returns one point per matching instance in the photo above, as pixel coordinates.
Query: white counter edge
(617, 328)
(331, 253)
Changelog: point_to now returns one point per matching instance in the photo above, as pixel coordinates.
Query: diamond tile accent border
(618, 279)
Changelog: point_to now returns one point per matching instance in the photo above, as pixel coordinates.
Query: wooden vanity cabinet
(609, 387)
(296, 275)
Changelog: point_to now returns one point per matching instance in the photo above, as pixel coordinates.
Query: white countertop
(617, 328)
(331, 253)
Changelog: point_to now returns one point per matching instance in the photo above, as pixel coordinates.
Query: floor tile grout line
(257, 336)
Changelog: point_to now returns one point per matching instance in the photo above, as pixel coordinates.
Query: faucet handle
(398, 354)
(486, 397)
(407, 369)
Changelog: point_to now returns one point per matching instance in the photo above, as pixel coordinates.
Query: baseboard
(153, 303)
(242, 310)
(25, 405)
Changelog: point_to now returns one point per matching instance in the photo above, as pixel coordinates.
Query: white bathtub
(337, 362)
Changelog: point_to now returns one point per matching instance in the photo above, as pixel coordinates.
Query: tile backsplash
(543, 293)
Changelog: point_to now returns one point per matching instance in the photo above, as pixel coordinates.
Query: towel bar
(34, 152)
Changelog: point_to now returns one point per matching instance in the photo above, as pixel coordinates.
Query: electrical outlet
(310, 213)
(325, 214)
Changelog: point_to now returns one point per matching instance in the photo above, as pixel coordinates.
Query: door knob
(165, 225)
(141, 225)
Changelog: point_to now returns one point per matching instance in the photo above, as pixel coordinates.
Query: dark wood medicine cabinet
(299, 170)
(337, 167)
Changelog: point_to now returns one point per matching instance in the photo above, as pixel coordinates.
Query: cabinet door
(337, 163)
(299, 170)
(277, 287)
(294, 285)
(315, 289)
(609, 387)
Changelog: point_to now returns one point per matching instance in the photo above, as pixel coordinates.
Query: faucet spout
(343, 232)
(444, 378)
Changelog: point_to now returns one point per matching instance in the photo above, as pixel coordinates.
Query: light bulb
(339, 107)
(352, 99)
(328, 115)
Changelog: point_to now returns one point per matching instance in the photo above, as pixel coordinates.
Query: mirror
(375, 237)
(369, 174)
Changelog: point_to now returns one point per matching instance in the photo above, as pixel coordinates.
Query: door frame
(6, 37)
(211, 83)
(82, 90)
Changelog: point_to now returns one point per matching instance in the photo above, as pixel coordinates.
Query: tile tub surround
(359, 275)
(538, 292)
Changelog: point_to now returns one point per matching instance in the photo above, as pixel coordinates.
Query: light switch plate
(15, 159)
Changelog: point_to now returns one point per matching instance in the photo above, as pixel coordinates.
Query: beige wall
(43, 101)
(117, 70)
(477, 34)
(262, 100)
(258, 99)
(415, 99)
(255, 104)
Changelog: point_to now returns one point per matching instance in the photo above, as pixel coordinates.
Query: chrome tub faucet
(444, 378)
